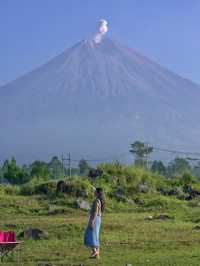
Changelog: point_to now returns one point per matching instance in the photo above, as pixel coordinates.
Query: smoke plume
(102, 29)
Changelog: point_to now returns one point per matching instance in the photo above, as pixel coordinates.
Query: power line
(176, 151)
(120, 156)
(103, 159)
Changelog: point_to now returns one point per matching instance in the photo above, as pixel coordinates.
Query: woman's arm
(94, 214)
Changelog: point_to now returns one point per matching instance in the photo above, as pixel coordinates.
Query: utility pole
(68, 160)
(70, 170)
(62, 159)
(147, 148)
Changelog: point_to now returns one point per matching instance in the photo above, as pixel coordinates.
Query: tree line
(11, 172)
(175, 167)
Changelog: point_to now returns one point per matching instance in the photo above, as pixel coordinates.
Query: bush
(10, 189)
(156, 203)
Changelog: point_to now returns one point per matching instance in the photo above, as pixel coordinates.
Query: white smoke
(102, 29)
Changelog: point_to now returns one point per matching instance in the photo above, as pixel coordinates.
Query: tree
(196, 170)
(40, 169)
(141, 150)
(178, 166)
(13, 173)
(55, 167)
(5, 166)
(84, 168)
(1, 173)
(158, 167)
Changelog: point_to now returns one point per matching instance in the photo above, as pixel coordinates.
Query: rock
(56, 211)
(61, 187)
(149, 218)
(129, 264)
(130, 201)
(162, 217)
(120, 197)
(11, 225)
(119, 194)
(139, 201)
(33, 233)
(81, 193)
(176, 191)
(188, 197)
(82, 204)
(143, 188)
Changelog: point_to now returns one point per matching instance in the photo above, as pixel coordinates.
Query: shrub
(11, 189)
(156, 203)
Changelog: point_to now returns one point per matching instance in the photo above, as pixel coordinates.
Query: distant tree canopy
(84, 167)
(141, 151)
(178, 167)
(55, 168)
(196, 169)
(16, 174)
(40, 169)
(13, 173)
(158, 167)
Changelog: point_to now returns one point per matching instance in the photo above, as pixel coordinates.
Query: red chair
(8, 243)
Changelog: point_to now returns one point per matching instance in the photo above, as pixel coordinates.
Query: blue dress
(91, 236)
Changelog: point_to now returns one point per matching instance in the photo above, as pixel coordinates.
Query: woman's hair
(100, 196)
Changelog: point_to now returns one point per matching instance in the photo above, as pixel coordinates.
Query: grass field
(126, 235)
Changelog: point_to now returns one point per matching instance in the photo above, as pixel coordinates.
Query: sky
(34, 31)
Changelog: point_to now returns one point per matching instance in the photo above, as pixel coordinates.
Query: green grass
(126, 235)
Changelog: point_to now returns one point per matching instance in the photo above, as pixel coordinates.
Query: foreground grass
(126, 236)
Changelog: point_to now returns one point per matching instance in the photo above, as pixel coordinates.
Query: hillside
(103, 94)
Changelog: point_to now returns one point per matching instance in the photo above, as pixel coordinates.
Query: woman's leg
(98, 252)
(94, 252)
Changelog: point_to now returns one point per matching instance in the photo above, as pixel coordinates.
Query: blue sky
(33, 31)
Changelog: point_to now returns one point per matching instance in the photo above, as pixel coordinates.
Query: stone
(81, 193)
(163, 217)
(33, 233)
(61, 187)
(139, 201)
(82, 204)
(11, 225)
(143, 188)
(130, 201)
(56, 211)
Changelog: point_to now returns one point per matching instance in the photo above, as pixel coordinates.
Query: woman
(91, 238)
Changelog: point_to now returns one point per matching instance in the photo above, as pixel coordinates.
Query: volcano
(95, 99)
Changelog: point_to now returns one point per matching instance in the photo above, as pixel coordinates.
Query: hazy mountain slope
(95, 96)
